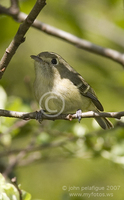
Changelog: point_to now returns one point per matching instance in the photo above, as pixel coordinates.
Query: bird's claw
(78, 115)
(39, 116)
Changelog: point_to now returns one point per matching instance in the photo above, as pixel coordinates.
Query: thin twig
(14, 181)
(19, 37)
(31, 148)
(20, 156)
(15, 161)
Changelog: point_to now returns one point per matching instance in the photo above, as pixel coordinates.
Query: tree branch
(80, 43)
(19, 37)
(33, 115)
(72, 39)
(12, 11)
(14, 8)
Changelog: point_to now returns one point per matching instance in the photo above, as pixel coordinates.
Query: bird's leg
(78, 114)
(39, 116)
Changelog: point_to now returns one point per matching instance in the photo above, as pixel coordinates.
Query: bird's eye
(54, 61)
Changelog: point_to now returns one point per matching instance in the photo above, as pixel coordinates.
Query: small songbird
(59, 89)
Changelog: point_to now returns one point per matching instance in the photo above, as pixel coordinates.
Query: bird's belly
(60, 99)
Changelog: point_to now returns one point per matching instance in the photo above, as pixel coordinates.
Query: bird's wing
(87, 91)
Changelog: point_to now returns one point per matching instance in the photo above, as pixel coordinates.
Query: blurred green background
(96, 158)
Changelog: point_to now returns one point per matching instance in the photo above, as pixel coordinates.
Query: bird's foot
(39, 116)
(78, 115)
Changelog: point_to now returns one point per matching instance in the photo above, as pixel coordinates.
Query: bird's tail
(104, 123)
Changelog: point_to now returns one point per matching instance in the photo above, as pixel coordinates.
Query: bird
(60, 89)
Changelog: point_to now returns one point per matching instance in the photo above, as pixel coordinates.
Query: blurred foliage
(65, 153)
(9, 191)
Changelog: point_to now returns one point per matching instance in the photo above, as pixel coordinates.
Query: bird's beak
(36, 58)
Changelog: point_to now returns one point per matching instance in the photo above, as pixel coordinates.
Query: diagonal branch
(80, 43)
(72, 39)
(19, 37)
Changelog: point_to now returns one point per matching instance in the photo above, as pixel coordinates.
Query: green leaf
(9, 192)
